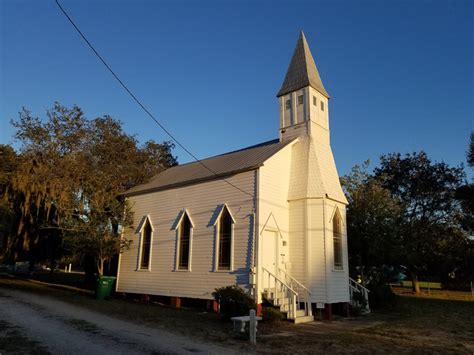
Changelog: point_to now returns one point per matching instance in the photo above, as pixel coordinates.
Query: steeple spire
(302, 71)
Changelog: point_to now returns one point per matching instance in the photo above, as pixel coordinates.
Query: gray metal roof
(231, 163)
(302, 70)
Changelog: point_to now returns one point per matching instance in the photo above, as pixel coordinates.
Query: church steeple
(303, 98)
(302, 70)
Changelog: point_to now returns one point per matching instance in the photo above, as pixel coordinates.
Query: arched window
(337, 240)
(145, 247)
(224, 242)
(184, 243)
(184, 236)
(225, 236)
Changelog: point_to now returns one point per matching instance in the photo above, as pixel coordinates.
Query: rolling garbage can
(104, 287)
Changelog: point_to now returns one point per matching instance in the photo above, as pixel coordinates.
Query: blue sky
(400, 73)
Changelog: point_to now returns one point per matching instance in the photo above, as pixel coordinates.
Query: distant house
(276, 225)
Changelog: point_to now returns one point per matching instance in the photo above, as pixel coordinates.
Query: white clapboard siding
(337, 279)
(298, 240)
(201, 201)
(317, 250)
(274, 178)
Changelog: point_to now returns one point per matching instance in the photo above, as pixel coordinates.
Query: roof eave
(284, 92)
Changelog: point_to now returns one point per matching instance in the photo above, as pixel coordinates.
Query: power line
(142, 106)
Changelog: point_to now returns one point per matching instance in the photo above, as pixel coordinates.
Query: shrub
(272, 315)
(381, 296)
(233, 301)
(360, 303)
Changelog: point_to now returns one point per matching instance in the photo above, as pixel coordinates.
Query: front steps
(278, 300)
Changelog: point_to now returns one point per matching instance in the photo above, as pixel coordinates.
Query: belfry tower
(317, 204)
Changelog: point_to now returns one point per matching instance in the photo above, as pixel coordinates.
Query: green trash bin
(104, 287)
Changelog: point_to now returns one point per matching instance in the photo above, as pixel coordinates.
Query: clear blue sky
(400, 73)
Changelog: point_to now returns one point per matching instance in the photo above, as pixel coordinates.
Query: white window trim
(178, 226)
(341, 239)
(217, 237)
(146, 219)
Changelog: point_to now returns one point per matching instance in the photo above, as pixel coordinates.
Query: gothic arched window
(337, 240)
(145, 244)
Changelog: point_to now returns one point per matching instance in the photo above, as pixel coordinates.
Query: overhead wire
(141, 105)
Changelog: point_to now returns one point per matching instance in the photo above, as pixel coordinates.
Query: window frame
(337, 239)
(141, 231)
(217, 226)
(321, 104)
(179, 228)
(315, 101)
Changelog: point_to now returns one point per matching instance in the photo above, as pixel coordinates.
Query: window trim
(302, 100)
(337, 215)
(141, 229)
(178, 227)
(217, 239)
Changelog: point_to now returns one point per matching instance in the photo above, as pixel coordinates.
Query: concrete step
(298, 320)
(300, 313)
(281, 301)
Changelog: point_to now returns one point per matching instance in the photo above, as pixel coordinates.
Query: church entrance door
(269, 256)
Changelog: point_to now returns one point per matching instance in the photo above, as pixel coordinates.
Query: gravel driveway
(61, 328)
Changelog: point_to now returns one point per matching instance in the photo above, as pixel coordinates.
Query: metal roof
(231, 163)
(302, 70)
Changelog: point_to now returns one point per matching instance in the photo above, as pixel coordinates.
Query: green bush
(233, 301)
(272, 315)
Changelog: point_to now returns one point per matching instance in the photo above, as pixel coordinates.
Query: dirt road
(61, 328)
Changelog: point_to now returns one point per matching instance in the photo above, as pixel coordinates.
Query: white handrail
(307, 301)
(290, 293)
(280, 281)
(295, 281)
(355, 286)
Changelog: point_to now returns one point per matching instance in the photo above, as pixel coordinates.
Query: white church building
(270, 218)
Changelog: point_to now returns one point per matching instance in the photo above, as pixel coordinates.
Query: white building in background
(271, 217)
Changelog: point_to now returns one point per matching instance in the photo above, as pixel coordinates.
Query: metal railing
(274, 282)
(355, 287)
(302, 290)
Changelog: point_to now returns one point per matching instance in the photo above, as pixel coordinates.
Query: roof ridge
(272, 141)
(249, 158)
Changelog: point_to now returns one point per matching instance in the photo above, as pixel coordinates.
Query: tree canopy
(406, 214)
(65, 185)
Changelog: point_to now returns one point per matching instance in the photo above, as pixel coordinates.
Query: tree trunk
(415, 283)
(101, 266)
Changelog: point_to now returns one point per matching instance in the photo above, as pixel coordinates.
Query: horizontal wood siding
(274, 177)
(338, 280)
(318, 283)
(298, 241)
(201, 201)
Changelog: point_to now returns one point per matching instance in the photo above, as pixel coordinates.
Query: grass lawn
(412, 325)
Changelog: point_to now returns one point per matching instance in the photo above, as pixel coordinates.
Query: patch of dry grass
(413, 325)
(435, 294)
